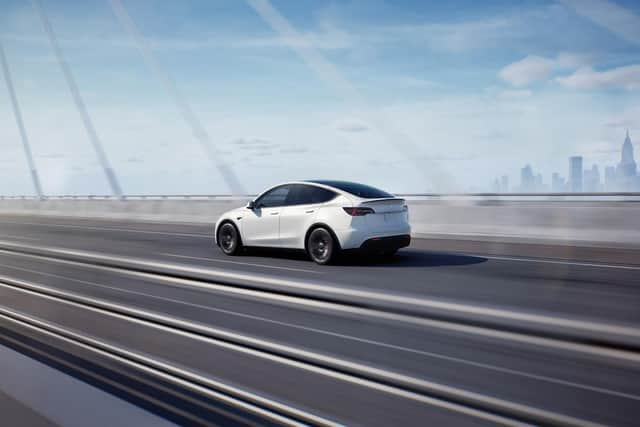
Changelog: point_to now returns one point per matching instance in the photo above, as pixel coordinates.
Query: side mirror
(251, 205)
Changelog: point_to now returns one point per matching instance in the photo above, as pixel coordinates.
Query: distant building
(504, 184)
(624, 176)
(558, 184)
(592, 179)
(539, 185)
(627, 170)
(610, 181)
(575, 174)
(527, 179)
(495, 188)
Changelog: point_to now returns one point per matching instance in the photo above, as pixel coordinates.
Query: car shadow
(409, 258)
(404, 258)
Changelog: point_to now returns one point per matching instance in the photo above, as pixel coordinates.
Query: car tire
(229, 239)
(322, 247)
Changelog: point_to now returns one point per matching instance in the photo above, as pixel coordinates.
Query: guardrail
(610, 195)
(566, 218)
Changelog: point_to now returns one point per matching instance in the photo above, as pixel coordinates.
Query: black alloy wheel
(321, 246)
(229, 239)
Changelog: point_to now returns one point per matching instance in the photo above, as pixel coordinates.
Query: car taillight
(358, 211)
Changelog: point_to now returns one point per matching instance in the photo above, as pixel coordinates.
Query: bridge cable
(19, 122)
(183, 107)
(329, 74)
(77, 98)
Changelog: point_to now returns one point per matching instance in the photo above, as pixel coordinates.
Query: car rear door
(300, 212)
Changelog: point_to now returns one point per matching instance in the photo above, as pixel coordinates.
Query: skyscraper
(575, 174)
(627, 169)
(527, 179)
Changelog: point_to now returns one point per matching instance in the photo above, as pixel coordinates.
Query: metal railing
(617, 195)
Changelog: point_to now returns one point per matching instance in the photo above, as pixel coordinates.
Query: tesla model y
(320, 217)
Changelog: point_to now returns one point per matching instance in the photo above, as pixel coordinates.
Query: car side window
(321, 195)
(301, 194)
(275, 197)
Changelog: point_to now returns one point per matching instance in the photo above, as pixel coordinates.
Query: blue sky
(408, 95)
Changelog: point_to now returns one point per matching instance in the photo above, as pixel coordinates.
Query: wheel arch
(223, 222)
(320, 225)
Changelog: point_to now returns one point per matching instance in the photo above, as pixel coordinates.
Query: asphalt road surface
(429, 357)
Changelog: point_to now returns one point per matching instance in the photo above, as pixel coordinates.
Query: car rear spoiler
(383, 199)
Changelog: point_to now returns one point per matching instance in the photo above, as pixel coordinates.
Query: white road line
(18, 237)
(465, 309)
(239, 263)
(443, 325)
(345, 336)
(550, 261)
(150, 366)
(243, 344)
(128, 230)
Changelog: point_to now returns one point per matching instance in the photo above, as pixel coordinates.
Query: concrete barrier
(615, 223)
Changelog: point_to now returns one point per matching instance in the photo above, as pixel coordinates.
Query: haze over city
(477, 90)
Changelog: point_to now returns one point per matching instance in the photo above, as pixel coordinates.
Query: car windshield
(360, 190)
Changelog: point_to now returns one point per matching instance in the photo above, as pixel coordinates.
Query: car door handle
(310, 211)
(275, 213)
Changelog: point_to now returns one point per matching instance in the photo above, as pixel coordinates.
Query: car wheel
(321, 246)
(229, 239)
(389, 254)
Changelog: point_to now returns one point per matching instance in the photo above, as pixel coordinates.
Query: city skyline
(622, 176)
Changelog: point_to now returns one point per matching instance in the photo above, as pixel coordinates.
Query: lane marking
(239, 263)
(127, 230)
(230, 341)
(346, 336)
(173, 375)
(576, 324)
(18, 237)
(380, 297)
(549, 261)
(449, 326)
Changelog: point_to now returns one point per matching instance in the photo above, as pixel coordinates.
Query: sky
(408, 95)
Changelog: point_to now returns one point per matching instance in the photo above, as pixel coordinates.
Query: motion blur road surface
(434, 358)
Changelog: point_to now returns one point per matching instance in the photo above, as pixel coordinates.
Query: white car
(320, 217)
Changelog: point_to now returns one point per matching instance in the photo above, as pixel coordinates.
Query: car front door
(260, 226)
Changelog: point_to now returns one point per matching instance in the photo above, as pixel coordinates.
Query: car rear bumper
(354, 238)
(388, 243)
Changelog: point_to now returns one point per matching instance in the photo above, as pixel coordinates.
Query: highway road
(450, 332)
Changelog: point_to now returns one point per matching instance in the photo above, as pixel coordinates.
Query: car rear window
(360, 190)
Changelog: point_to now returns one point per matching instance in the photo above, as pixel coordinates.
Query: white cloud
(627, 77)
(535, 68)
(526, 71)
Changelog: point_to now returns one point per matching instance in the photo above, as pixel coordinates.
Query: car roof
(331, 182)
(315, 183)
(333, 185)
